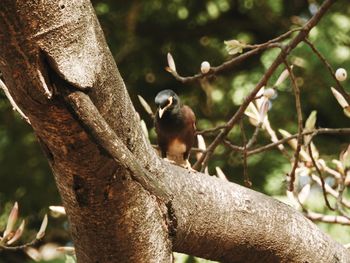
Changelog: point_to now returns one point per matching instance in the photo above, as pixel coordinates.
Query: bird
(175, 125)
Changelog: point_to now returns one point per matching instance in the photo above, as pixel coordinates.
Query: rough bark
(112, 218)
(58, 47)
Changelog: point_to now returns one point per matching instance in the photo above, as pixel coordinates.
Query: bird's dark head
(166, 100)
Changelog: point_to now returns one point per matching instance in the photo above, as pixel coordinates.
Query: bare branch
(339, 86)
(104, 135)
(264, 79)
(211, 130)
(333, 219)
(321, 178)
(21, 247)
(255, 49)
(247, 181)
(341, 188)
(300, 126)
(233, 147)
(330, 190)
(339, 131)
(254, 137)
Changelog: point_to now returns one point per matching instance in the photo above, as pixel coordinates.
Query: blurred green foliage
(139, 34)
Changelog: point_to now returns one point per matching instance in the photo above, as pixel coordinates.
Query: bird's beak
(162, 110)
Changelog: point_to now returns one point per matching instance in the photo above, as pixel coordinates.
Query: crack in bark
(48, 153)
(171, 220)
(51, 63)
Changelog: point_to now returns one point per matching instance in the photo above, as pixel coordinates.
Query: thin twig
(250, 143)
(21, 247)
(300, 126)
(255, 49)
(247, 181)
(224, 66)
(334, 219)
(233, 147)
(274, 138)
(254, 137)
(341, 188)
(329, 190)
(339, 87)
(211, 130)
(264, 79)
(321, 177)
(339, 131)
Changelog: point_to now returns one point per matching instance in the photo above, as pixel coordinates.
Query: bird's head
(166, 100)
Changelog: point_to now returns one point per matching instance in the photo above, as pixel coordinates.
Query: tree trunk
(51, 51)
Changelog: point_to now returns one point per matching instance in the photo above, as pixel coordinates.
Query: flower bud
(42, 229)
(205, 67)
(341, 100)
(171, 63)
(265, 106)
(270, 93)
(341, 74)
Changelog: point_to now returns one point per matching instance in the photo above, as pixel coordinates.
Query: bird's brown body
(176, 132)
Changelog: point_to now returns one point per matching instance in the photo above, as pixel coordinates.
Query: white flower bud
(42, 229)
(171, 63)
(269, 93)
(341, 74)
(265, 106)
(341, 100)
(11, 221)
(205, 67)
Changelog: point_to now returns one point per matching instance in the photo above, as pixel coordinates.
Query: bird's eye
(170, 100)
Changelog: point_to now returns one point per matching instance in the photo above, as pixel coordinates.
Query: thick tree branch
(241, 212)
(103, 203)
(95, 125)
